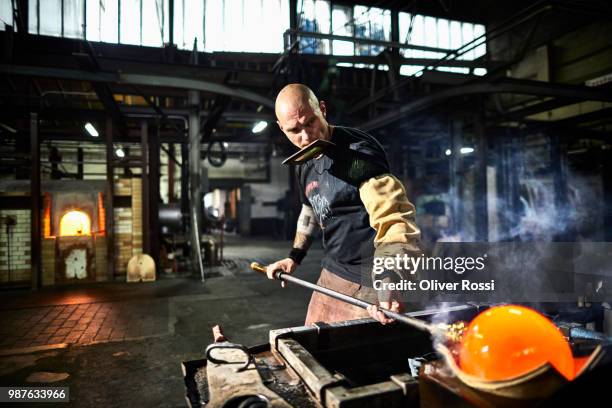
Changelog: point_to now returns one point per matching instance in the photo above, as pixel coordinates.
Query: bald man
(353, 199)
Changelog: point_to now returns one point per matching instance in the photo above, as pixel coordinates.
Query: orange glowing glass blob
(74, 223)
(505, 342)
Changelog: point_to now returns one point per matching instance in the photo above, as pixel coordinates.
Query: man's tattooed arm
(306, 228)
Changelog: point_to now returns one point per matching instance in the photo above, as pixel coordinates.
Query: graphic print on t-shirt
(330, 185)
(320, 204)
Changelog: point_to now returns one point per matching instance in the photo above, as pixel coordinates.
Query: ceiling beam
(506, 85)
(137, 79)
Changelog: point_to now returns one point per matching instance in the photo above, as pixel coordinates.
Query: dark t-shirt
(330, 185)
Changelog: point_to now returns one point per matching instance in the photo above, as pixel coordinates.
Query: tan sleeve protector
(391, 214)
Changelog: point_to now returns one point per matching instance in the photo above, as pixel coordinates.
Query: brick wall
(127, 224)
(136, 216)
(123, 187)
(101, 258)
(19, 247)
(48, 261)
(123, 239)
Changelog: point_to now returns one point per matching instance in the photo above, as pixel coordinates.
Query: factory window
(244, 25)
(138, 22)
(102, 21)
(6, 15)
(372, 23)
(73, 15)
(144, 22)
(358, 21)
(443, 34)
(189, 24)
(51, 24)
(130, 20)
(57, 18)
(314, 16)
(342, 24)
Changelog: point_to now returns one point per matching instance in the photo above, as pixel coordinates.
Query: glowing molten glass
(508, 341)
(74, 223)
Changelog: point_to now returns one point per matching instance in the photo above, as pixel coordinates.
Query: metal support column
(293, 22)
(109, 205)
(144, 145)
(35, 229)
(185, 181)
(153, 198)
(170, 172)
(171, 22)
(195, 185)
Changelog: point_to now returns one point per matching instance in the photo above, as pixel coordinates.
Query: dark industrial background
(153, 121)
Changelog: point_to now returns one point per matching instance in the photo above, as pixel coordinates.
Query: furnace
(74, 233)
(361, 363)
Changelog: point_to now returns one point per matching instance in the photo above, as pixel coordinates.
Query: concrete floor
(122, 344)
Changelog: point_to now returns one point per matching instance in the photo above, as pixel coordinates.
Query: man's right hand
(286, 265)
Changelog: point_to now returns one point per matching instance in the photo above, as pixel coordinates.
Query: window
(314, 16)
(102, 19)
(74, 18)
(51, 24)
(189, 23)
(154, 27)
(373, 23)
(6, 15)
(342, 24)
(246, 25)
(358, 21)
(130, 22)
(136, 22)
(443, 34)
(143, 22)
(210, 25)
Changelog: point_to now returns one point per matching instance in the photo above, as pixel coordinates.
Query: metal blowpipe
(451, 332)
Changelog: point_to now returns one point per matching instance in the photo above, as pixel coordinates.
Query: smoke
(532, 204)
(540, 211)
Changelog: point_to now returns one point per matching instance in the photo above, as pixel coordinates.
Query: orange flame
(75, 223)
(46, 224)
(101, 213)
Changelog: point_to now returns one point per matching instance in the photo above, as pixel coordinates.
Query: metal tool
(313, 150)
(229, 345)
(452, 332)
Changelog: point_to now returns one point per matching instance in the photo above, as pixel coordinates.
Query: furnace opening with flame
(74, 223)
(74, 232)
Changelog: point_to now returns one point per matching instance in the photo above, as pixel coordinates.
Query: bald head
(300, 115)
(293, 96)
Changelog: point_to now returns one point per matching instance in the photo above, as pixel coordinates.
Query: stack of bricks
(127, 224)
(123, 187)
(48, 261)
(19, 255)
(122, 228)
(123, 239)
(136, 216)
(101, 261)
